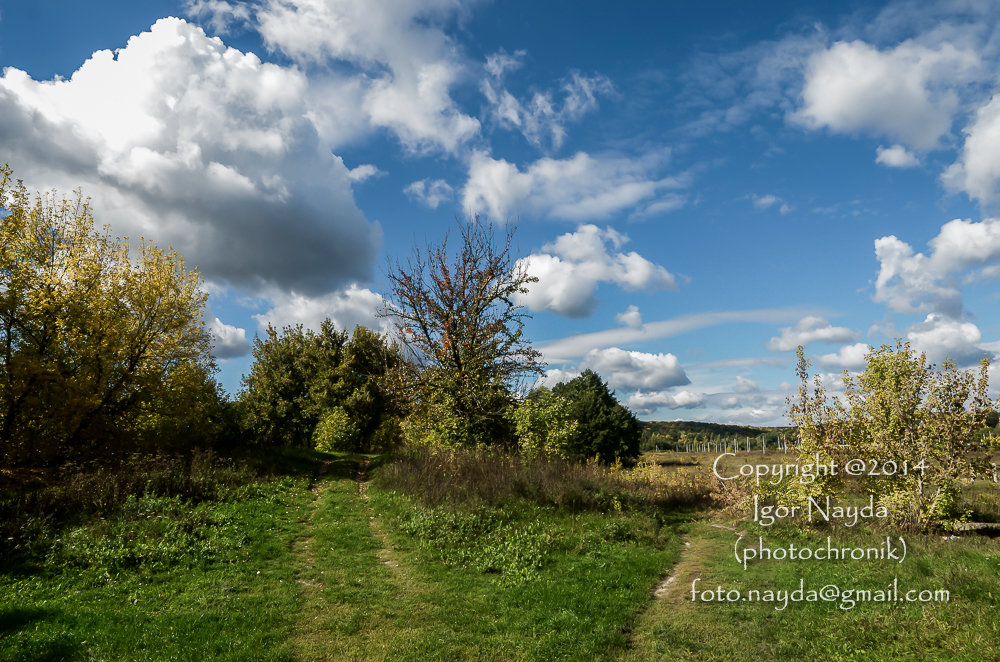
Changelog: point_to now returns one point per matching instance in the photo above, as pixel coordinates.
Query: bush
(493, 476)
(543, 426)
(336, 432)
(901, 409)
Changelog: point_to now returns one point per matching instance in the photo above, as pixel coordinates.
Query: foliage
(457, 316)
(100, 349)
(278, 403)
(606, 429)
(902, 410)
(336, 432)
(308, 387)
(543, 425)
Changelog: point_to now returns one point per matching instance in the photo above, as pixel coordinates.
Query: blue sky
(700, 187)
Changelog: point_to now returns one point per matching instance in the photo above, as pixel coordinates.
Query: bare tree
(458, 317)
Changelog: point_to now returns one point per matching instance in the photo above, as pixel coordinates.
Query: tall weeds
(488, 476)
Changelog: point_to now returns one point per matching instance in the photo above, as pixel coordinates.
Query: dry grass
(494, 476)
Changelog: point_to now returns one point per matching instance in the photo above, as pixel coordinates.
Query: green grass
(405, 581)
(161, 578)
(964, 628)
(261, 562)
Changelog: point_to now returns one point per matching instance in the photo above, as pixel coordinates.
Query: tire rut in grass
(666, 596)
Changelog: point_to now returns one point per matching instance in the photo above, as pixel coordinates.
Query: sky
(699, 187)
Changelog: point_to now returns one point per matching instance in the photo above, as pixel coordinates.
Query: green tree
(901, 409)
(300, 378)
(92, 338)
(606, 430)
(457, 317)
(294, 371)
(543, 425)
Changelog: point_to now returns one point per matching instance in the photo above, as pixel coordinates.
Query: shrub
(336, 432)
(543, 426)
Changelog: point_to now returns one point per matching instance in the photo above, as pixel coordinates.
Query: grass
(467, 580)
(156, 576)
(963, 628)
(201, 558)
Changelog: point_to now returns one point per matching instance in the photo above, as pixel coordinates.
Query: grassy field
(335, 557)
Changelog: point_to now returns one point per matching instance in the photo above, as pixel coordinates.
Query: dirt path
(672, 591)
(358, 594)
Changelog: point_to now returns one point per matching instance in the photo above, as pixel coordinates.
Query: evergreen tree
(606, 430)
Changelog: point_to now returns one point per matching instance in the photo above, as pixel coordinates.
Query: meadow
(468, 555)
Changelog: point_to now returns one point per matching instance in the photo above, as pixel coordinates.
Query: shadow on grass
(13, 619)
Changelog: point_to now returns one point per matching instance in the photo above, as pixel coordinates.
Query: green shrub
(543, 426)
(336, 432)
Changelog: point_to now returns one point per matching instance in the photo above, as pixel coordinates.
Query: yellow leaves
(105, 325)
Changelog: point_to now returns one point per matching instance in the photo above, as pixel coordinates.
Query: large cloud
(577, 262)
(581, 187)
(407, 63)
(905, 93)
(944, 338)
(187, 142)
(977, 172)
(911, 282)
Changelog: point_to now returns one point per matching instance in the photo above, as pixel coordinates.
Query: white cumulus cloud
(188, 143)
(647, 403)
(630, 317)
(943, 338)
(354, 306)
(577, 262)
(363, 172)
(406, 63)
(581, 187)
(228, 341)
(977, 171)
(896, 156)
(850, 357)
(627, 370)
(910, 282)
(905, 93)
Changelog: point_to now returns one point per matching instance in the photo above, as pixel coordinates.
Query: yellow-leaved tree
(101, 350)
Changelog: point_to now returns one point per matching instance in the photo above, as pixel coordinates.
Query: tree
(464, 332)
(304, 383)
(605, 429)
(293, 369)
(543, 425)
(91, 338)
(901, 409)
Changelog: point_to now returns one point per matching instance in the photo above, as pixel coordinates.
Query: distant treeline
(677, 435)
